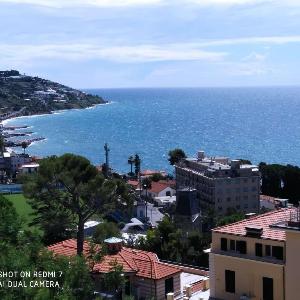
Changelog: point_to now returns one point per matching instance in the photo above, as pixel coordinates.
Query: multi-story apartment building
(222, 184)
(257, 258)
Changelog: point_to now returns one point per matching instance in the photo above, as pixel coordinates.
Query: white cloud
(250, 40)
(254, 64)
(74, 3)
(227, 2)
(21, 54)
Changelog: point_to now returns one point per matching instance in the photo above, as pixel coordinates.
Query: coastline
(59, 111)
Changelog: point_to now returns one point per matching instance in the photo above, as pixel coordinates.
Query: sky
(153, 43)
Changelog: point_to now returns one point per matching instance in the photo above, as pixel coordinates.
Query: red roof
(133, 183)
(144, 264)
(159, 186)
(264, 221)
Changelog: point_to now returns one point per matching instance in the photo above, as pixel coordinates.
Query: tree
(114, 280)
(105, 230)
(137, 165)
(2, 144)
(10, 223)
(69, 184)
(175, 156)
(131, 162)
(157, 177)
(147, 183)
(24, 145)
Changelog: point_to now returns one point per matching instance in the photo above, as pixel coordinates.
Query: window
(230, 281)
(268, 250)
(277, 252)
(268, 288)
(169, 285)
(223, 244)
(258, 249)
(241, 246)
(232, 245)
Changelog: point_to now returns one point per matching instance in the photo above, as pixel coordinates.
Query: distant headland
(23, 95)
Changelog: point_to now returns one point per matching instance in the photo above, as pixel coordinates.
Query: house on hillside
(146, 276)
(160, 189)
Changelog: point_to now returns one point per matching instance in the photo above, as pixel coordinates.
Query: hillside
(27, 95)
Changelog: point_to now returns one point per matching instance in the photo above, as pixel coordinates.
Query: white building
(222, 184)
(29, 168)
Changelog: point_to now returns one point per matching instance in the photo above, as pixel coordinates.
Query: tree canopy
(281, 181)
(67, 191)
(176, 155)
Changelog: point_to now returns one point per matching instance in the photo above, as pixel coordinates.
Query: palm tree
(24, 145)
(137, 164)
(131, 162)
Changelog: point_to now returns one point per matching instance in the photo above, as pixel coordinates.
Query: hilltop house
(146, 276)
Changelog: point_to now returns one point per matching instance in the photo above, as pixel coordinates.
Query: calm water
(260, 124)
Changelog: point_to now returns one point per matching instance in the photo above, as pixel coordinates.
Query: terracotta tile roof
(133, 183)
(197, 286)
(264, 221)
(144, 264)
(67, 247)
(159, 186)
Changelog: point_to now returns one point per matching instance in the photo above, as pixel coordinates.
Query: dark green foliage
(106, 230)
(176, 155)
(171, 243)
(244, 161)
(114, 281)
(23, 251)
(146, 183)
(231, 218)
(157, 177)
(14, 91)
(281, 181)
(10, 223)
(131, 162)
(66, 192)
(137, 164)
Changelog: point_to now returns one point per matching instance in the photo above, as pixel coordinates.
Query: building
(187, 213)
(160, 189)
(165, 201)
(269, 202)
(29, 168)
(10, 162)
(146, 276)
(222, 184)
(257, 258)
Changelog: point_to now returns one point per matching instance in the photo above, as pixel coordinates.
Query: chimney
(114, 245)
(254, 231)
(200, 155)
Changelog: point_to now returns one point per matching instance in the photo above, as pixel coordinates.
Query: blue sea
(259, 124)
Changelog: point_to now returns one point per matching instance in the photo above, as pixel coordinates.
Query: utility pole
(107, 149)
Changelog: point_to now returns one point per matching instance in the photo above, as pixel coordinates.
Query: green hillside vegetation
(34, 95)
(23, 208)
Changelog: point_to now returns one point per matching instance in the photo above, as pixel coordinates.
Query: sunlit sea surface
(259, 124)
